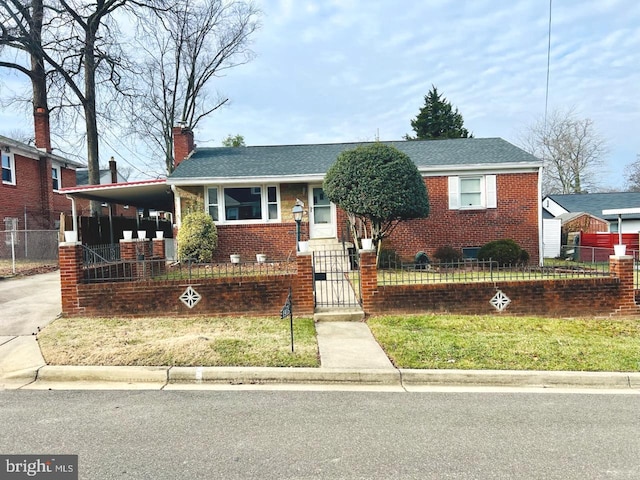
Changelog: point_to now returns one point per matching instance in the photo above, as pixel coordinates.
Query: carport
(151, 194)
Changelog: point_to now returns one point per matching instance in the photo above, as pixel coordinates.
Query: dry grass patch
(27, 267)
(196, 341)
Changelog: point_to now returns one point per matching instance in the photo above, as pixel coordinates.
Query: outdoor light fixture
(297, 211)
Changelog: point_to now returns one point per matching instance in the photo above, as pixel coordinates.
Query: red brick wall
(276, 240)
(557, 298)
(516, 217)
(33, 192)
(259, 296)
(229, 296)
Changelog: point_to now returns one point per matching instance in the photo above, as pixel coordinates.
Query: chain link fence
(28, 251)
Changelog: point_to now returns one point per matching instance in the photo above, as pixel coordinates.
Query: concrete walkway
(349, 345)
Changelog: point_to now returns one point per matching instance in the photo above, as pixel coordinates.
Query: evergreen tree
(437, 119)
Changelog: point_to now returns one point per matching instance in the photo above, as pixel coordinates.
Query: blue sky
(354, 70)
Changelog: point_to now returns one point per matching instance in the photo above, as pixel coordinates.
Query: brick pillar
(622, 267)
(158, 248)
(368, 279)
(159, 264)
(130, 250)
(302, 288)
(70, 260)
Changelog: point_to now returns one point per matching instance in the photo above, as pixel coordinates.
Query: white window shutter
(491, 191)
(454, 196)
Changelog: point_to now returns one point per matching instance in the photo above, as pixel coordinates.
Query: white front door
(322, 214)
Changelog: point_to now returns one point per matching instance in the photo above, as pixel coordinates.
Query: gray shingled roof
(595, 203)
(284, 160)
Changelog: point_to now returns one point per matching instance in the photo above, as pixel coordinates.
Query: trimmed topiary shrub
(448, 254)
(197, 237)
(505, 252)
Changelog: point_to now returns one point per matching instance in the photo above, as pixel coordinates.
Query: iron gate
(336, 278)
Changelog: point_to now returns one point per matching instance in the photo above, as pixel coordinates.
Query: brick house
(479, 190)
(31, 178)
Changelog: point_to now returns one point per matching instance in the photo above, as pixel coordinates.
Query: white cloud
(334, 70)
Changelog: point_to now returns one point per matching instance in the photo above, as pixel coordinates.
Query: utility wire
(546, 96)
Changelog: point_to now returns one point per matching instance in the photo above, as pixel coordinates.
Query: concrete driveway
(28, 303)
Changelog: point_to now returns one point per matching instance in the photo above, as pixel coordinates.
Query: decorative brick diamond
(500, 301)
(190, 297)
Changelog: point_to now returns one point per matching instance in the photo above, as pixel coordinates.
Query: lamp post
(297, 216)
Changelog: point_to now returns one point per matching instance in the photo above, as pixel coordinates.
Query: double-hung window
(8, 169)
(243, 204)
(472, 192)
(55, 175)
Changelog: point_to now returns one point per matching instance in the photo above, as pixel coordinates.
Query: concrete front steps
(327, 244)
(333, 314)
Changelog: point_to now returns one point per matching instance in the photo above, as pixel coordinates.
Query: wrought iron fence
(138, 270)
(472, 270)
(93, 254)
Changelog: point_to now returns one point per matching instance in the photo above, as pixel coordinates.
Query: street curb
(70, 373)
(520, 378)
(267, 375)
(327, 376)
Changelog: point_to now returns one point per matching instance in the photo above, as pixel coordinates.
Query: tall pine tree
(437, 120)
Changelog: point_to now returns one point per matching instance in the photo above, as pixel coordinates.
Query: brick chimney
(182, 143)
(42, 130)
(114, 170)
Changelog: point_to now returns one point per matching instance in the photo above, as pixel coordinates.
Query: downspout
(73, 213)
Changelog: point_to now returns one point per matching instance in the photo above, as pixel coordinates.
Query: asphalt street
(347, 435)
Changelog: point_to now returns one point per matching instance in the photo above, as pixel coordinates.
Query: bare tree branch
(186, 49)
(572, 152)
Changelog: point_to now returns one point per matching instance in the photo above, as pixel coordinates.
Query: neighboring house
(108, 176)
(479, 190)
(590, 207)
(31, 178)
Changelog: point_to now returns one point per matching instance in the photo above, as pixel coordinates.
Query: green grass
(197, 341)
(503, 343)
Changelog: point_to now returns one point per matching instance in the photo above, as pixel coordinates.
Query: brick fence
(604, 296)
(238, 295)
(265, 295)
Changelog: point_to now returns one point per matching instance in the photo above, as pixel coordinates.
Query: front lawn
(505, 343)
(197, 341)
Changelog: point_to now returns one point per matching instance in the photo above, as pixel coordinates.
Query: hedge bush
(197, 237)
(448, 254)
(505, 252)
